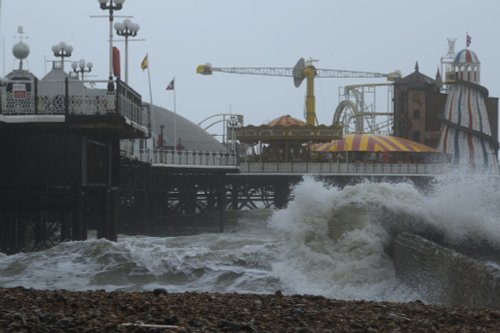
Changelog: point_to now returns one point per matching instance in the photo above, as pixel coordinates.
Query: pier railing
(70, 97)
(193, 158)
(351, 168)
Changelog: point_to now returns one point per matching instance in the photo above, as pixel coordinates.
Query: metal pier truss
(246, 192)
(157, 199)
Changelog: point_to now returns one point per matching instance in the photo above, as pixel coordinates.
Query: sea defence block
(444, 276)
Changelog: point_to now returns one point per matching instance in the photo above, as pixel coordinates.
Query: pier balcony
(69, 103)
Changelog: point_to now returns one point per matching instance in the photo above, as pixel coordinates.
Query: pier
(270, 185)
(61, 137)
(69, 170)
(165, 190)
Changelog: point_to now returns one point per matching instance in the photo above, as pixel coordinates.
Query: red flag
(171, 85)
(116, 61)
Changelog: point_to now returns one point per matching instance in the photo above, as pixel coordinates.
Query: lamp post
(161, 136)
(82, 67)
(62, 50)
(126, 29)
(233, 122)
(111, 5)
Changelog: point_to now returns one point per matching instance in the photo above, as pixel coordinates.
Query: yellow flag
(145, 63)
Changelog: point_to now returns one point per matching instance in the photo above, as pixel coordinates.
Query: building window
(416, 114)
(416, 136)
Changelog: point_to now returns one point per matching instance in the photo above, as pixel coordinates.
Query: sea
(329, 241)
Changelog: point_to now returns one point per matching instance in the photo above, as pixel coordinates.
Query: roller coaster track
(340, 114)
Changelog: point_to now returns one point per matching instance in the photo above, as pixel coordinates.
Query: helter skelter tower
(466, 132)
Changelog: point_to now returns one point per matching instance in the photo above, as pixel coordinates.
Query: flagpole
(175, 124)
(145, 65)
(149, 81)
(150, 92)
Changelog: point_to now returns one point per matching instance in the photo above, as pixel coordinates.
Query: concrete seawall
(444, 276)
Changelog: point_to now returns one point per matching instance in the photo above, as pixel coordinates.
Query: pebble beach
(30, 310)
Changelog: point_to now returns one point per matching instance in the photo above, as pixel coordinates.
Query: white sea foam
(335, 245)
(229, 262)
(337, 240)
(329, 241)
(466, 209)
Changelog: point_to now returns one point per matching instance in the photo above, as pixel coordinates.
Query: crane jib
(288, 72)
(303, 70)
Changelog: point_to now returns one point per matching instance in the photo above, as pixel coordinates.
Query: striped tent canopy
(286, 121)
(372, 143)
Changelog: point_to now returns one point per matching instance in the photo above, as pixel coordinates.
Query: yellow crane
(302, 70)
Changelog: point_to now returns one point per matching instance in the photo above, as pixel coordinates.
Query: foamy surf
(229, 262)
(338, 240)
(329, 241)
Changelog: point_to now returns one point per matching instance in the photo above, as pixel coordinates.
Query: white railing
(346, 168)
(162, 157)
(70, 97)
(191, 158)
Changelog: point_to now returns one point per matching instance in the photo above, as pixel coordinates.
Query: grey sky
(368, 35)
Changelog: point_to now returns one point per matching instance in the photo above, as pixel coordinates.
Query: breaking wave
(329, 241)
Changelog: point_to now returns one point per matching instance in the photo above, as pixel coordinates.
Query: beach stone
(197, 323)
(160, 291)
(14, 327)
(64, 322)
(43, 311)
(297, 312)
(173, 320)
(232, 326)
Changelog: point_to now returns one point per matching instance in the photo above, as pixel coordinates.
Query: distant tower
(466, 130)
(20, 50)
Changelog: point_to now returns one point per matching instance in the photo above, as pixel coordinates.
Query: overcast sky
(368, 35)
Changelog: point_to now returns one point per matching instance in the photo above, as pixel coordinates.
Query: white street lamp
(62, 50)
(82, 67)
(126, 29)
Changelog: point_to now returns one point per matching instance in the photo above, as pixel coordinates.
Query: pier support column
(234, 196)
(211, 199)
(106, 225)
(221, 202)
(13, 231)
(146, 217)
(40, 230)
(78, 222)
(188, 199)
(281, 193)
(65, 217)
(111, 215)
